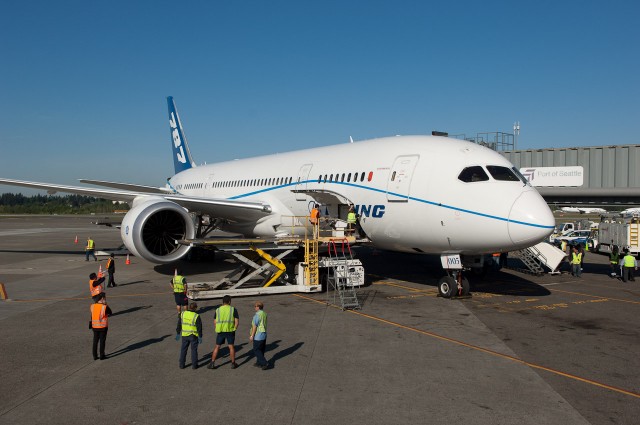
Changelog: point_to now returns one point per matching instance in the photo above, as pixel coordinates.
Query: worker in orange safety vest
(95, 286)
(100, 312)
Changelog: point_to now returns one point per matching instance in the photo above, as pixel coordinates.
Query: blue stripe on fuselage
(424, 201)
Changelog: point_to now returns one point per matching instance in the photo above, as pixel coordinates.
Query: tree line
(17, 203)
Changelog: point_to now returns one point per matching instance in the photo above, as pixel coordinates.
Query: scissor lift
(261, 269)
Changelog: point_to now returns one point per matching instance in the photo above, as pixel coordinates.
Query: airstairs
(341, 273)
(538, 257)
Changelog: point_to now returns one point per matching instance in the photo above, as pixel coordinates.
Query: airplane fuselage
(406, 188)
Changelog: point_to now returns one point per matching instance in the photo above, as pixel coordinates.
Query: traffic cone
(100, 272)
(76, 239)
(127, 262)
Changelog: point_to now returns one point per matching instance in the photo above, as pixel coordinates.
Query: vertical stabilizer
(181, 156)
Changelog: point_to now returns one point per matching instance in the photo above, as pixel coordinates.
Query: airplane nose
(530, 219)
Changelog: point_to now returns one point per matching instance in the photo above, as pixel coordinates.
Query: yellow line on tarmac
(402, 286)
(42, 300)
(597, 296)
(484, 350)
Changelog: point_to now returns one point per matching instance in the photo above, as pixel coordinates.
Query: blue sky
(83, 84)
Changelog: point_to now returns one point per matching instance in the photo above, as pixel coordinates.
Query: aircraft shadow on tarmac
(137, 345)
(40, 251)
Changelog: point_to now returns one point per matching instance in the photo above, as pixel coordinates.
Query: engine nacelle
(150, 229)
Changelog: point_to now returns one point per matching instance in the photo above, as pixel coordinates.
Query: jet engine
(152, 227)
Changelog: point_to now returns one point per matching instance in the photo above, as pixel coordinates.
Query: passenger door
(400, 178)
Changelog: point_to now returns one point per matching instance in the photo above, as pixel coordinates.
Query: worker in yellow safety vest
(95, 286)
(576, 258)
(226, 323)
(90, 249)
(629, 264)
(352, 218)
(179, 287)
(100, 312)
(190, 328)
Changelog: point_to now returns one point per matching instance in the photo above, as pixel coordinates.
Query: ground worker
(314, 218)
(352, 218)
(100, 312)
(95, 286)
(179, 286)
(90, 249)
(111, 269)
(258, 335)
(576, 258)
(190, 327)
(614, 259)
(629, 264)
(226, 323)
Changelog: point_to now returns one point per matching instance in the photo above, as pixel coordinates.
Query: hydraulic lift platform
(262, 270)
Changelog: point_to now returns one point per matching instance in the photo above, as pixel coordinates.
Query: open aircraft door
(301, 182)
(400, 178)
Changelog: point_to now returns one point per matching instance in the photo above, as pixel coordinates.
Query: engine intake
(152, 227)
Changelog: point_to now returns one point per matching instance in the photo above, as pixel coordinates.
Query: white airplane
(583, 210)
(417, 194)
(630, 211)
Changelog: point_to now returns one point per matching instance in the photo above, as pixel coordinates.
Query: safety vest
(614, 258)
(178, 284)
(563, 245)
(99, 316)
(351, 218)
(315, 215)
(262, 321)
(189, 323)
(95, 290)
(90, 244)
(576, 258)
(225, 322)
(109, 262)
(629, 260)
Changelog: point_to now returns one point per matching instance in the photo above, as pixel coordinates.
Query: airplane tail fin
(181, 155)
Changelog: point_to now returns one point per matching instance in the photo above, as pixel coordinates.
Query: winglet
(181, 155)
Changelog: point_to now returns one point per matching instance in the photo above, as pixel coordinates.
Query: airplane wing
(128, 186)
(236, 211)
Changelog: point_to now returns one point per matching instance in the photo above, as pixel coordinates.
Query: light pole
(516, 133)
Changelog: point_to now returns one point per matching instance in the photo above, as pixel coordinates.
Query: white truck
(620, 231)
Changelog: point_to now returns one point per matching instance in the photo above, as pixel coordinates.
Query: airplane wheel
(466, 288)
(447, 287)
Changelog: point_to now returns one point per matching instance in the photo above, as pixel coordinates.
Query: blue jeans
(575, 270)
(91, 252)
(258, 351)
(187, 341)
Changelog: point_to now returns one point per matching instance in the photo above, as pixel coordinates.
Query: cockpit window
(502, 173)
(473, 174)
(520, 176)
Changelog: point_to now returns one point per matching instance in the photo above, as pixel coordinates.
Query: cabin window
(502, 173)
(473, 174)
(348, 177)
(393, 176)
(370, 176)
(342, 178)
(362, 177)
(331, 177)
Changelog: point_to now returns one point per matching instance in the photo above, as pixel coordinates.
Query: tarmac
(522, 350)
